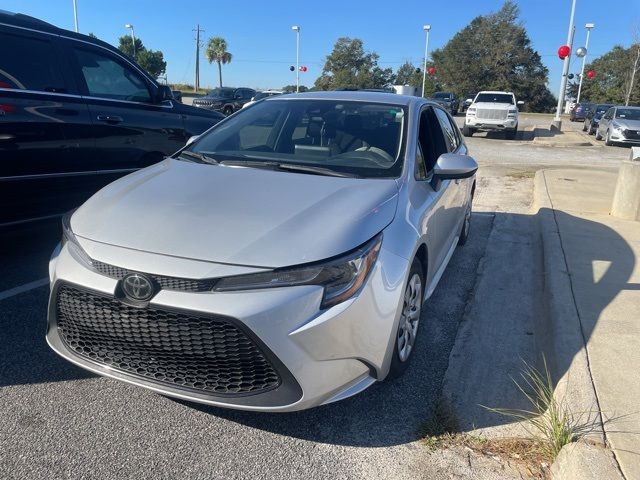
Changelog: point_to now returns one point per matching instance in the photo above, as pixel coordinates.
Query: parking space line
(12, 292)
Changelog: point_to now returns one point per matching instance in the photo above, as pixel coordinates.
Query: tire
(607, 139)
(411, 311)
(467, 132)
(591, 130)
(511, 134)
(598, 136)
(584, 126)
(466, 224)
(228, 110)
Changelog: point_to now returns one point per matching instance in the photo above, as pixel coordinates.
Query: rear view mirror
(451, 166)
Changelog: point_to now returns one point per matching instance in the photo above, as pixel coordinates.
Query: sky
(263, 45)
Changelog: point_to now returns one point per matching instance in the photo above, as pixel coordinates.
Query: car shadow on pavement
(392, 412)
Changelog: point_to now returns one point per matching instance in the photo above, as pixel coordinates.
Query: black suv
(225, 99)
(76, 114)
(448, 100)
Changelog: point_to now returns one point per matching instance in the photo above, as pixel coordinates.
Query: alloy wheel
(411, 308)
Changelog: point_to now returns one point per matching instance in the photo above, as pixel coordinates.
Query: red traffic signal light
(431, 71)
(563, 52)
(591, 74)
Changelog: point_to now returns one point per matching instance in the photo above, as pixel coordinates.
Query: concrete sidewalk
(601, 256)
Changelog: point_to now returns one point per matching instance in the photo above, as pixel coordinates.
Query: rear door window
(28, 63)
(107, 78)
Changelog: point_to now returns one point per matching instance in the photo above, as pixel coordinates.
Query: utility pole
(557, 122)
(75, 14)
(196, 85)
(427, 29)
(588, 26)
(296, 28)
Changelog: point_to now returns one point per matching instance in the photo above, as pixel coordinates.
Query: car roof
(352, 95)
(632, 107)
(495, 91)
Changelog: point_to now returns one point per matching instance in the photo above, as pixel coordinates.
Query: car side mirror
(237, 96)
(164, 93)
(451, 166)
(520, 102)
(192, 139)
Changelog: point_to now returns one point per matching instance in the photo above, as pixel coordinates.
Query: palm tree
(217, 52)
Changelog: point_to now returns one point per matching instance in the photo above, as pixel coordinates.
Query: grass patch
(549, 419)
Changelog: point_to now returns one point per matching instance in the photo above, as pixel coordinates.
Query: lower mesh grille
(491, 113)
(167, 283)
(183, 349)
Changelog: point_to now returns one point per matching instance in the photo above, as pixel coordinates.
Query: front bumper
(625, 137)
(487, 125)
(321, 356)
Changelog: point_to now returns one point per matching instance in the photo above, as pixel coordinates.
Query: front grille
(167, 283)
(187, 350)
(491, 114)
(632, 134)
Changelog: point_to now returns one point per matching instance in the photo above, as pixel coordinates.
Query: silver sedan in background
(620, 125)
(278, 262)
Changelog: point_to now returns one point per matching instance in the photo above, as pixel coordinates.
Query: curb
(547, 141)
(561, 335)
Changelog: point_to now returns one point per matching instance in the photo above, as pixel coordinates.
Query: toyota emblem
(137, 287)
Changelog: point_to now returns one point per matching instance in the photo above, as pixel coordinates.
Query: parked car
(448, 100)
(226, 100)
(177, 95)
(620, 125)
(466, 101)
(579, 111)
(261, 95)
(270, 265)
(75, 114)
(491, 111)
(593, 117)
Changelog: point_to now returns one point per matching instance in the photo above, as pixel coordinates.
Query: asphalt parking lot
(58, 421)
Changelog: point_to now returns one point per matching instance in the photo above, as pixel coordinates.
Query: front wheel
(598, 136)
(467, 132)
(584, 126)
(511, 134)
(466, 225)
(607, 139)
(407, 330)
(227, 110)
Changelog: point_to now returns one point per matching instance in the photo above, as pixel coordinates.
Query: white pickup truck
(492, 111)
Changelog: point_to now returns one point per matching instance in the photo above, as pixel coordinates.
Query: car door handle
(110, 119)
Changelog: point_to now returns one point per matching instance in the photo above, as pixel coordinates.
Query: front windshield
(357, 138)
(628, 113)
(494, 98)
(441, 95)
(221, 92)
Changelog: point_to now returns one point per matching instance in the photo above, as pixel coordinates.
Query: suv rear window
(29, 64)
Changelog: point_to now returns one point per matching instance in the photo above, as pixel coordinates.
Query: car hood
(627, 123)
(236, 215)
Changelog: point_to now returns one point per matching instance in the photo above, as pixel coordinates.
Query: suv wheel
(511, 134)
(467, 132)
(409, 320)
(584, 126)
(228, 110)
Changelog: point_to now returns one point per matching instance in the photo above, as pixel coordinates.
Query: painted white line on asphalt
(12, 292)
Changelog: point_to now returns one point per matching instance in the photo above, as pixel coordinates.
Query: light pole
(133, 38)
(427, 29)
(557, 122)
(296, 29)
(588, 26)
(75, 15)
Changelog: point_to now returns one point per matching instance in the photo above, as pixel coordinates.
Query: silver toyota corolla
(278, 262)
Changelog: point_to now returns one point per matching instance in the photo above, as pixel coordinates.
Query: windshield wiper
(291, 167)
(199, 156)
(314, 170)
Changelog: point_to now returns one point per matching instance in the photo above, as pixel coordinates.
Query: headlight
(70, 240)
(471, 110)
(615, 126)
(341, 278)
(513, 112)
